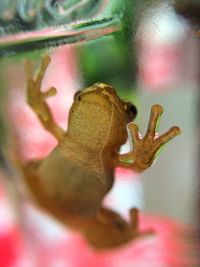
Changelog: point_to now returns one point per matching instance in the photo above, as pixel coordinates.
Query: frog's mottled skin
(73, 180)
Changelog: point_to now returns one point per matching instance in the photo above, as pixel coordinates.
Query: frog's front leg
(146, 148)
(36, 98)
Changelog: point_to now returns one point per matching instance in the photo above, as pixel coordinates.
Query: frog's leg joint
(146, 148)
(36, 98)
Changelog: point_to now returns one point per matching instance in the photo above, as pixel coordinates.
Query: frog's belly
(78, 188)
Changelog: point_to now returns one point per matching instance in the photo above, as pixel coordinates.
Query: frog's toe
(39, 77)
(134, 218)
(175, 130)
(157, 109)
(46, 60)
(166, 137)
(156, 112)
(51, 92)
(134, 131)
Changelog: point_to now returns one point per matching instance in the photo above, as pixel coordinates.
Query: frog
(71, 182)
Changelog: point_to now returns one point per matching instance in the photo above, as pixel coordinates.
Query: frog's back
(78, 181)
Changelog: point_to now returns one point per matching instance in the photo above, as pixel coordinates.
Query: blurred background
(147, 50)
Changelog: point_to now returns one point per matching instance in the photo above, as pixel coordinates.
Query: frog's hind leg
(29, 171)
(108, 230)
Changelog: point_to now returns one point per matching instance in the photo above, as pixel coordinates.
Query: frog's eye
(77, 93)
(131, 110)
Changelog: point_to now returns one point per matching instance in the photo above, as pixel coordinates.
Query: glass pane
(76, 79)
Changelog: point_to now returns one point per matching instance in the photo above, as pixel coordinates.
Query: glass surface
(149, 54)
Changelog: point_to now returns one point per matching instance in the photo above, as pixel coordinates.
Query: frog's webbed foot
(109, 229)
(146, 148)
(36, 98)
(112, 218)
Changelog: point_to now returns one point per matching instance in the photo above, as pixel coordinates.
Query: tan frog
(72, 181)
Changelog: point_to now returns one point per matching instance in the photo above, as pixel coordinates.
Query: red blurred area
(165, 248)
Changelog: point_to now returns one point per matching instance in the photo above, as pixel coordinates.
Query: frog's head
(99, 116)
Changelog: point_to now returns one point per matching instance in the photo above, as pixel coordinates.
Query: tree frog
(72, 181)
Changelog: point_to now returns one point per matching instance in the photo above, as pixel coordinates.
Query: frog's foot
(36, 98)
(110, 217)
(146, 148)
(109, 230)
